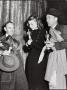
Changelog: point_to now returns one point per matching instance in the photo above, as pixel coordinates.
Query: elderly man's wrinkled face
(9, 29)
(51, 20)
(33, 24)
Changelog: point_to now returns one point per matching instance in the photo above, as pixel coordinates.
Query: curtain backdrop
(18, 11)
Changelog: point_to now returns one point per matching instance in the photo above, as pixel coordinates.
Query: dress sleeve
(26, 49)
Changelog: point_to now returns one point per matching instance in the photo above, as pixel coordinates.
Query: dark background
(61, 5)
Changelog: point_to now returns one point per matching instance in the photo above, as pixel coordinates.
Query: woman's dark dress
(35, 72)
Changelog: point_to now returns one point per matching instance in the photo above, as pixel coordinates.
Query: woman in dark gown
(35, 72)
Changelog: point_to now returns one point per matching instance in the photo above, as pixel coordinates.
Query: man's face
(33, 24)
(51, 20)
(10, 29)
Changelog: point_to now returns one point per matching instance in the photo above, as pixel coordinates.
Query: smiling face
(51, 20)
(9, 29)
(33, 24)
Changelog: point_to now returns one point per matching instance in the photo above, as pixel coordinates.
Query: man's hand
(6, 52)
(49, 44)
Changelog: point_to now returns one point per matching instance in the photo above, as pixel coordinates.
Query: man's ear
(5, 28)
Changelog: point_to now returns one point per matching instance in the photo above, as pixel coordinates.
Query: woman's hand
(29, 42)
(29, 34)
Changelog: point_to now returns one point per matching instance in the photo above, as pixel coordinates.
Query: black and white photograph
(33, 44)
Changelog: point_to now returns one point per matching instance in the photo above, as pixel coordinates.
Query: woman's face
(33, 24)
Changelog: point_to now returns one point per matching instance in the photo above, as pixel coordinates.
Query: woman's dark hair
(32, 17)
